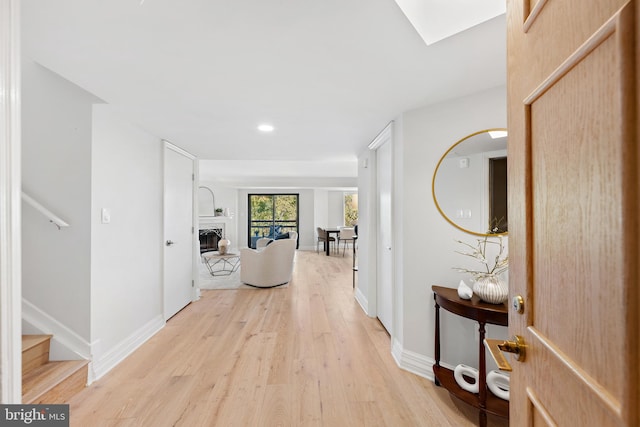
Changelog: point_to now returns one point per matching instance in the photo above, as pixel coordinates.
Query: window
(271, 215)
(350, 209)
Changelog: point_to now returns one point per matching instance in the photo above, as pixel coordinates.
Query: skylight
(435, 20)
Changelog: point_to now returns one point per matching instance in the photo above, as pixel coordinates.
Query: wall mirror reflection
(470, 183)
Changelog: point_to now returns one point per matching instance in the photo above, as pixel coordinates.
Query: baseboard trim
(413, 362)
(117, 354)
(362, 300)
(62, 335)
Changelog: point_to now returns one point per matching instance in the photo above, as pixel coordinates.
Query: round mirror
(470, 183)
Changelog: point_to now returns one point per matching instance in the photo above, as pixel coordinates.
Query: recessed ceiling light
(495, 134)
(265, 127)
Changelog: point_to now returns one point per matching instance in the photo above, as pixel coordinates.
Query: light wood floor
(304, 355)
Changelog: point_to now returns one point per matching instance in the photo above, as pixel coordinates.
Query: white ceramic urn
(491, 289)
(223, 246)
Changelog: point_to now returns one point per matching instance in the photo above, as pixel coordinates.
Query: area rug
(232, 281)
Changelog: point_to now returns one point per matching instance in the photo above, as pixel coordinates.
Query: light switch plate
(105, 216)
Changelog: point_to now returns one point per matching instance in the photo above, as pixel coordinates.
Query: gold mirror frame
(433, 185)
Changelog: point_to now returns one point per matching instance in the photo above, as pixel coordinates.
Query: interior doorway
(498, 219)
(384, 258)
(178, 229)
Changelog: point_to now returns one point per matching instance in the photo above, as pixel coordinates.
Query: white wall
(126, 262)
(428, 240)
(320, 212)
(366, 255)
(424, 241)
(56, 171)
(101, 283)
(335, 208)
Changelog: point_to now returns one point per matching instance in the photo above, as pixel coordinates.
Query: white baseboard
(362, 300)
(66, 344)
(117, 354)
(415, 363)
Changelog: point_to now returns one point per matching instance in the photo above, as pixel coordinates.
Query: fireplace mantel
(205, 221)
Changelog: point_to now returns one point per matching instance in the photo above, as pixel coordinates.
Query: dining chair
(322, 237)
(346, 235)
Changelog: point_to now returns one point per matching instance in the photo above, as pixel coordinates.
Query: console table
(483, 313)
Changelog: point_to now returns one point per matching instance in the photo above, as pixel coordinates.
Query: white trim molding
(104, 363)
(415, 363)
(172, 146)
(362, 300)
(382, 137)
(62, 335)
(10, 205)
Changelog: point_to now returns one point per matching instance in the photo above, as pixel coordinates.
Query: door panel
(573, 186)
(577, 198)
(384, 283)
(178, 223)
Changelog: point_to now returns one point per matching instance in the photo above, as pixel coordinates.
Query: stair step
(54, 382)
(35, 351)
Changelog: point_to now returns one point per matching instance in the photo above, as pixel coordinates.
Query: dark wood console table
(483, 313)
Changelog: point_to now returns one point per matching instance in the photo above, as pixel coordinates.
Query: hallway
(301, 355)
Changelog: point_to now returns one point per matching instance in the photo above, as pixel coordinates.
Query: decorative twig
(479, 253)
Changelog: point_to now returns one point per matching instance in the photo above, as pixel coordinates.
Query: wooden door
(178, 229)
(573, 211)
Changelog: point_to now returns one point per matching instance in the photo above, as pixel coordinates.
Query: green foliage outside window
(350, 210)
(270, 214)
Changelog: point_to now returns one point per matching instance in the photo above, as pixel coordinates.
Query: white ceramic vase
(491, 289)
(223, 246)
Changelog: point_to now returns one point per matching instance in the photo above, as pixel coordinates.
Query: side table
(483, 313)
(221, 265)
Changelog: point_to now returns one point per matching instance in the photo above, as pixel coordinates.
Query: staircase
(45, 381)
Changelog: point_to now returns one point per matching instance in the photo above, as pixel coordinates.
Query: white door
(178, 229)
(384, 292)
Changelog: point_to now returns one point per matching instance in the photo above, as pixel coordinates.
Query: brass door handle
(515, 346)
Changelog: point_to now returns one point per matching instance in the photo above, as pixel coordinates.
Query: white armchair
(270, 266)
(265, 241)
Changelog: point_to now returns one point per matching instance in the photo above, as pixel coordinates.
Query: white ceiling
(329, 75)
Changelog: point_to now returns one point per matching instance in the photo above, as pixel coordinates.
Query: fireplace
(209, 238)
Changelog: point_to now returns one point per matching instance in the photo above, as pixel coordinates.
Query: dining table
(327, 243)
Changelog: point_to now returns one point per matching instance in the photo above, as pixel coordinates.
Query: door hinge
(193, 284)
(192, 230)
(193, 177)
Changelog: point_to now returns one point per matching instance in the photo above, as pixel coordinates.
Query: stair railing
(53, 218)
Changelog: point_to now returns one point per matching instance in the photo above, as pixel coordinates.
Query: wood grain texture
(54, 382)
(35, 351)
(305, 355)
(573, 202)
